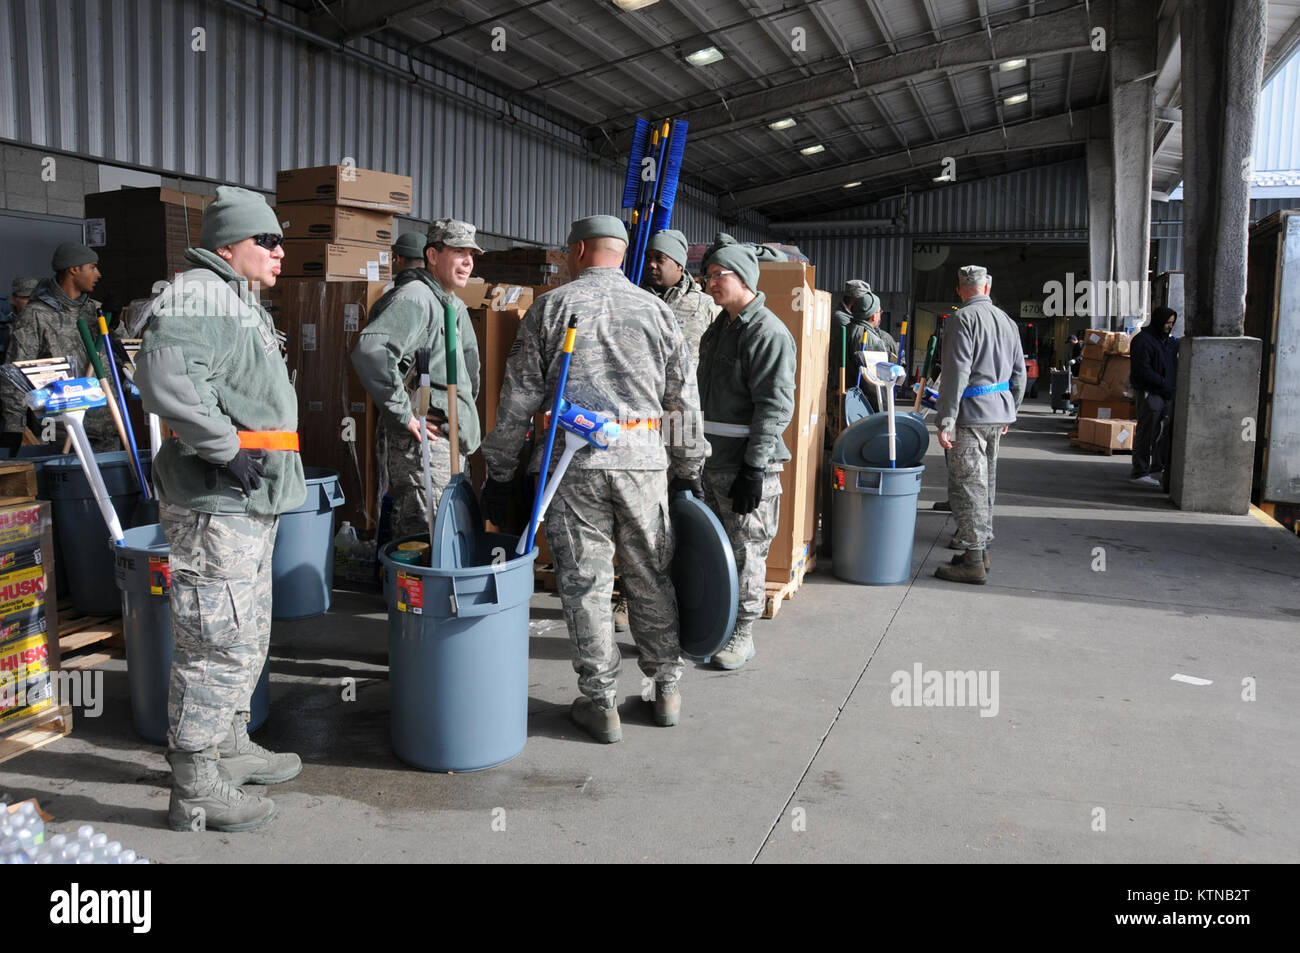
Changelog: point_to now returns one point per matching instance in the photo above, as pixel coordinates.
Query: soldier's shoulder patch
(517, 346)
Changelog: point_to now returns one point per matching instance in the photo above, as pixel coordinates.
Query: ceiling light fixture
(852, 185)
(1009, 65)
(942, 178)
(812, 150)
(1015, 100)
(781, 124)
(710, 54)
(629, 6)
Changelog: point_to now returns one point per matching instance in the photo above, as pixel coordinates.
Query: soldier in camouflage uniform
(666, 278)
(630, 364)
(746, 378)
(47, 327)
(981, 389)
(210, 366)
(409, 317)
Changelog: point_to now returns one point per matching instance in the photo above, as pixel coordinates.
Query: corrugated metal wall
(1167, 227)
(1277, 140)
(119, 80)
(1049, 203)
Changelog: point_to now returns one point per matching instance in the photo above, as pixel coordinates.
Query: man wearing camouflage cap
(19, 295)
(630, 364)
(666, 278)
(47, 327)
(746, 377)
(408, 317)
(982, 386)
(211, 367)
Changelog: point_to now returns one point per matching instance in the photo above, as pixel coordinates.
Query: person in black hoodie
(1153, 372)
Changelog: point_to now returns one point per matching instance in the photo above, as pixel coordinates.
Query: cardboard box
(1116, 372)
(336, 261)
(474, 294)
(322, 320)
(1094, 352)
(1114, 434)
(1083, 391)
(1108, 409)
(336, 224)
(1090, 371)
(345, 185)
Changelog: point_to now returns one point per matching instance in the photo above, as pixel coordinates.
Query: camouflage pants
(221, 619)
(751, 537)
(596, 514)
(401, 476)
(972, 483)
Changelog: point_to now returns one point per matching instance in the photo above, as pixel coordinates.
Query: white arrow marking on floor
(1191, 680)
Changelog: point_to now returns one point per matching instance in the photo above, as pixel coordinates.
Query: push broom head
(640, 142)
(670, 173)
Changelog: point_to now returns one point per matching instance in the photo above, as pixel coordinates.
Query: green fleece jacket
(408, 317)
(210, 366)
(746, 377)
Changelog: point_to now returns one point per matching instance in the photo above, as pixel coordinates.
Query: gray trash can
(458, 657)
(303, 562)
(144, 577)
(874, 522)
(80, 526)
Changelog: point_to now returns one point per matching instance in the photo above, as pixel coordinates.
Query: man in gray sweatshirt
(981, 389)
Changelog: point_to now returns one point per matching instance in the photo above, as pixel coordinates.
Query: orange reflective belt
(268, 440)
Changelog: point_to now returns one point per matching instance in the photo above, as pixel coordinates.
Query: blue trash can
(873, 523)
(80, 526)
(144, 576)
(303, 563)
(458, 657)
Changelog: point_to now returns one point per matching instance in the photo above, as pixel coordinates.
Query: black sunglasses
(267, 240)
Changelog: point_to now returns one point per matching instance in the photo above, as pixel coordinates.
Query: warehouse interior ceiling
(887, 88)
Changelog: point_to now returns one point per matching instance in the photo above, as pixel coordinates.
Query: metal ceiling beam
(1276, 58)
(349, 19)
(1047, 133)
(1048, 35)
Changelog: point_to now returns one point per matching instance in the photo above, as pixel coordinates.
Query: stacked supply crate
(535, 267)
(788, 287)
(30, 713)
(1104, 393)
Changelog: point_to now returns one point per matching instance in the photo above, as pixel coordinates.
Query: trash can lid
(456, 527)
(856, 406)
(704, 575)
(866, 443)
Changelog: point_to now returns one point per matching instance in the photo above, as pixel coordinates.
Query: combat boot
(603, 724)
(620, 615)
(203, 800)
(960, 557)
(735, 653)
(244, 761)
(667, 705)
(970, 568)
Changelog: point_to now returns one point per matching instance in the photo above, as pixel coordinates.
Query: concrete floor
(801, 756)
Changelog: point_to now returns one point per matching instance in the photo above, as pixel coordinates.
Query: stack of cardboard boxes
(788, 287)
(29, 625)
(1104, 392)
(338, 230)
(536, 267)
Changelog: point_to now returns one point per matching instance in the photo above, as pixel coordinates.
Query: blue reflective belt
(981, 389)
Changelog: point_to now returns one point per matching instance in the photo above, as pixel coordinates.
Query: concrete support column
(1217, 404)
(1101, 223)
(1132, 134)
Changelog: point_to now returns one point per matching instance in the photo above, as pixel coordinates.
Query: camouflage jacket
(629, 363)
(694, 309)
(47, 327)
(746, 378)
(405, 319)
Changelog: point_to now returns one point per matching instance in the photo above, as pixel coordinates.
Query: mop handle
(126, 414)
(570, 337)
(80, 443)
(453, 352)
(572, 444)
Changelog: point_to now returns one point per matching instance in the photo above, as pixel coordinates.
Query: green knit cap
(670, 243)
(234, 215)
(72, 254)
(726, 252)
(409, 245)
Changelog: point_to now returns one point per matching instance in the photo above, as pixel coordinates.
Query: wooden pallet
(46, 727)
(17, 483)
(1093, 448)
(87, 640)
(777, 593)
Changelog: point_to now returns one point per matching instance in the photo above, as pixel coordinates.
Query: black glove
(746, 490)
(499, 502)
(681, 484)
(248, 467)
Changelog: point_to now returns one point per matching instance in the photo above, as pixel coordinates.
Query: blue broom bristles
(670, 174)
(632, 184)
